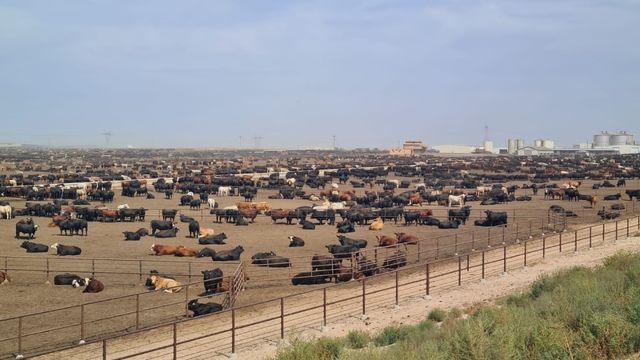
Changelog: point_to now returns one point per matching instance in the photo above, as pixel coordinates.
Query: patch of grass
(357, 339)
(454, 313)
(321, 349)
(437, 315)
(391, 335)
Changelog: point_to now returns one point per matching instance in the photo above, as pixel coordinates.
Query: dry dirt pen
(223, 333)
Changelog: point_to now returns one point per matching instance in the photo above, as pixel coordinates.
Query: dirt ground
(30, 293)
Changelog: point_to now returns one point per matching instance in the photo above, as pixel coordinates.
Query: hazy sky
(203, 73)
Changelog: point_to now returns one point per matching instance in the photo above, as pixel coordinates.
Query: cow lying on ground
(182, 251)
(395, 260)
(148, 283)
(161, 225)
(69, 279)
(166, 284)
(295, 241)
(309, 278)
(228, 255)
(206, 252)
(408, 239)
(213, 239)
(93, 286)
(159, 250)
(269, 259)
(200, 309)
(493, 219)
(135, 235)
(32, 247)
(163, 234)
(360, 243)
(64, 250)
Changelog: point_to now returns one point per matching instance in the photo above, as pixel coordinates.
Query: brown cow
(408, 239)
(93, 286)
(347, 274)
(185, 252)
(415, 199)
(109, 214)
(261, 206)
(4, 278)
(205, 232)
(385, 240)
(57, 219)
(163, 249)
(249, 213)
(243, 205)
(277, 214)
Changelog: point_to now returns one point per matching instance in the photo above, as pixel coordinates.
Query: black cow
(324, 215)
(613, 197)
(74, 226)
(633, 194)
(206, 252)
(186, 219)
(617, 207)
(621, 182)
(130, 214)
(411, 217)
(68, 279)
(345, 241)
(168, 194)
(23, 228)
(325, 265)
(169, 214)
(342, 251)
(269, 259)
(195, 204)
(430, 221)
(367, 267)
(242, 221)
(295, 241)
(64, 250)
(199, 309)
(212, 280)
(32, 247)
(160, 225)
(450, 224)
(493, 219)
(396, 260)
(309, 278)
(228, 255)
(167, 233)
(135, 235)
(308, 225)
(461, 214)
(217, 239)
(194, 228)
(346, 227)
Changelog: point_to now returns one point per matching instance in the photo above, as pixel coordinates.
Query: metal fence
(273, 319)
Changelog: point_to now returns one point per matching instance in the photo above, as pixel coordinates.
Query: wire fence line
(273, 319)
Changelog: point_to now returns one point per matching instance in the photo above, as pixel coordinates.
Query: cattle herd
(315, 212)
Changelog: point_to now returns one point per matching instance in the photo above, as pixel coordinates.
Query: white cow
(211, 202)
(291, 181)
(224, 190)
(122, 206)
(5, 211)
(458, 199)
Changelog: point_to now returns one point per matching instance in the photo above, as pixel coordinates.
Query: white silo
(512, 146)
(488, 146)
(519, 144)
(548, 144)
(601, 140)
(537, 143)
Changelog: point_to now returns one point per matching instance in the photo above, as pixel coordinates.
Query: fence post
(397, 281)
(20, 335)
(282, 318)
(418, 243)
(560, 243)
(503, 227)
(517, 235)
(627, 227)
(504, 258)
(137, 311)
(473, 240)
(603, 232)
(590, 230)
(104, 349)
(233, 330)
(175, 341)
(189, 263)
(456, 244)
(525, 253)
(324, 306)
(47, 269)
(93, 267)
(575, 241)
(467, 262)
(427, 280)
(544, 246)
(482, 265)
(140, 268)
(82, 322)
(616, 238)
(364, 280)
(459, 271)
(489, 236)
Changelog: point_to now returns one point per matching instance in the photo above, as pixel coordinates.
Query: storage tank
(548, 144)
(520, 144)
(618, 139)
(537, 143)
(601, 140)
(512, 146)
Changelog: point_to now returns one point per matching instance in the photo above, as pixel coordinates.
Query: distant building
(454, 149)
(410, 147)
(534, 150)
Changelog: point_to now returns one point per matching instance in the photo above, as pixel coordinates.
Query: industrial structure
(410, 147)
